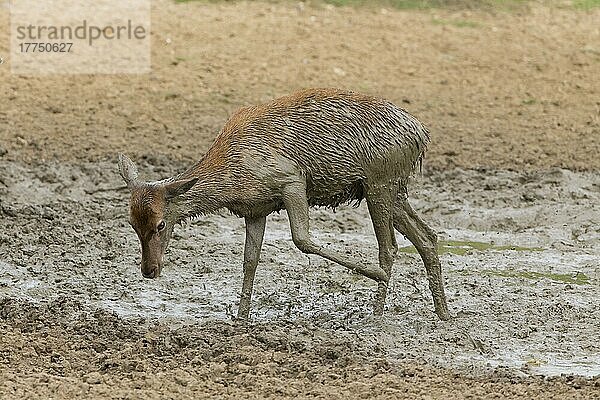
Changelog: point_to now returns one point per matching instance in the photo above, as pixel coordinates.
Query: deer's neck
(211, 193)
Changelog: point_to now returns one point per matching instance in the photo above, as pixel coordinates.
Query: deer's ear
(128, 170)
(178, 188)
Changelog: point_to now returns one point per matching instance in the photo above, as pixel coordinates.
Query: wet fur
(334, 139)
(317, 147)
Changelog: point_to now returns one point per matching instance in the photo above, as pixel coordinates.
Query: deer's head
(152, 213)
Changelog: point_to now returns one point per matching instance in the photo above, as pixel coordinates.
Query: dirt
(513, 90)
(511, 183)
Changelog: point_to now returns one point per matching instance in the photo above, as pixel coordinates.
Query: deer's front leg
(255, 230)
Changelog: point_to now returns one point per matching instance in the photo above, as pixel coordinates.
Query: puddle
(553, 366)
(545, 364)
(464, 247)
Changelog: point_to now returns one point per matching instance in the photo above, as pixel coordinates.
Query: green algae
(463, 247)
(576, 278)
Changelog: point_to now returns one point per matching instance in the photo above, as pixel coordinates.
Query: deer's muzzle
(151, 272)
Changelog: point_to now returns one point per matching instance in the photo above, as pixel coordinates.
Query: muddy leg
(394, 248)
(394, 194)
(379, 201)
(255, 230)
(407, 222)
(296, 204)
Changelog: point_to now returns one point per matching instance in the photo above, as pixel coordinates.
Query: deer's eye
(161, 225)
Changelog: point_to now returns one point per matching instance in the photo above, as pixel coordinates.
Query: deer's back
(336, 139)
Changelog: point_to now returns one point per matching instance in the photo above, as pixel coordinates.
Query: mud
(510, 98)
(520, 254)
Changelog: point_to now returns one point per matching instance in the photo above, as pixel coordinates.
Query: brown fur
(334, 138)
(147, 205)
(319, 147)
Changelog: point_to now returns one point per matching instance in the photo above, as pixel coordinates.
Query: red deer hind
(316, 147)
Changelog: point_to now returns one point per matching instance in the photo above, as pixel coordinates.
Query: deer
(312, 148)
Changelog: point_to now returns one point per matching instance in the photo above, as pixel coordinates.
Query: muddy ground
(511, 183)
(78, 317)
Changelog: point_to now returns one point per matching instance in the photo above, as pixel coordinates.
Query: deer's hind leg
(380, 201)
(393, 235)
(408, 223)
